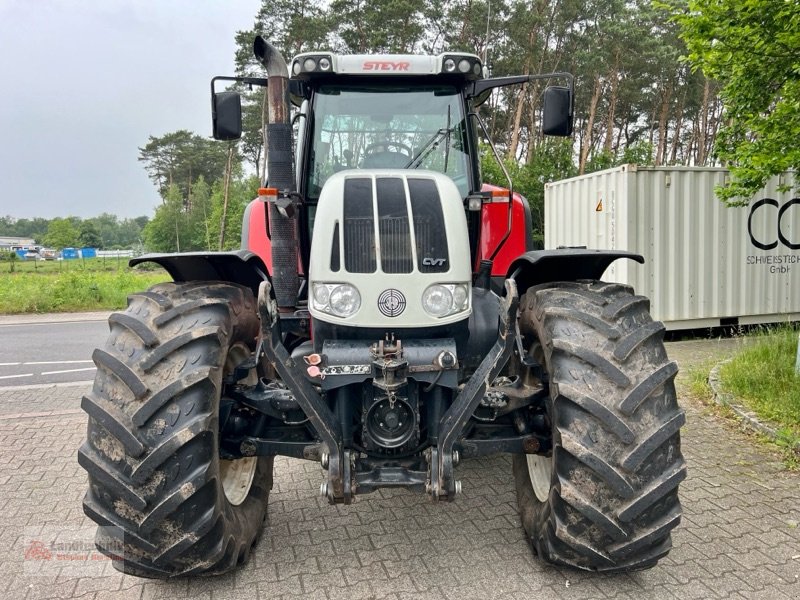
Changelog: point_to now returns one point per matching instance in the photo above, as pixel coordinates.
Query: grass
(762, 377)
(64, 266)
(68, 286)
(694, 383)
(698, 382)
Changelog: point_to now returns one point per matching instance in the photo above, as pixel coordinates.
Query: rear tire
(612, 496)
(152, 448)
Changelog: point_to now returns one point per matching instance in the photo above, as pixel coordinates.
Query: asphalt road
(49, 351)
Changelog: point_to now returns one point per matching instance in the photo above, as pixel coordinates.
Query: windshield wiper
(433, 144)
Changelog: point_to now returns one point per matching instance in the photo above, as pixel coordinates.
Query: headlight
(437, 301)
(443, 299)
(345, 300)
(321, 294)
(340, 299)
(460, 297)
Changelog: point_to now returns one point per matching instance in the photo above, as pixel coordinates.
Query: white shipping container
(705, 264)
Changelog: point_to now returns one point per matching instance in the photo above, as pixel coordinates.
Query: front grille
(429, 230)
(394, 226)
(359, 226)
(359, 245)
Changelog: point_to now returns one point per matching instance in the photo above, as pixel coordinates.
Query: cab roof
(310, 65)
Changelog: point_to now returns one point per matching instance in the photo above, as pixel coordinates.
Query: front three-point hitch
(293, 415)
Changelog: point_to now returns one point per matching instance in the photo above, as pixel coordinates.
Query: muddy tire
(607, 498)
(157, 486)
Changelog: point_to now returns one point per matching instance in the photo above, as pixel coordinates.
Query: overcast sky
(83, 83)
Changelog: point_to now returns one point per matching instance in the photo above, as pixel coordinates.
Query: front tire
(607, 497)
(157, 486)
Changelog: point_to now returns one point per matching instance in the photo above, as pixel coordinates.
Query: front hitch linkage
(338, 461)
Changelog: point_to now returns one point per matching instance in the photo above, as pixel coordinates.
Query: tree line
(204, 188)
(106, 231)
(638, 98)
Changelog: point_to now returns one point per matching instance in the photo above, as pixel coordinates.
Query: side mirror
(557, 118)
(226, 115)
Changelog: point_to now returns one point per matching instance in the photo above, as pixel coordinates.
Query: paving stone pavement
(739, 537)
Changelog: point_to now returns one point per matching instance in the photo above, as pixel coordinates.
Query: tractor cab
(397, 112)
(386, 111)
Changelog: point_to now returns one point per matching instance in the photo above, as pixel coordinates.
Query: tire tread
(616, 423)
(150, 455)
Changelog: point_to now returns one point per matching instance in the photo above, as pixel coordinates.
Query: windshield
(362, 127)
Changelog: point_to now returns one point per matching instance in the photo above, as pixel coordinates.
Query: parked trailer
(115, 253)
(705, 264)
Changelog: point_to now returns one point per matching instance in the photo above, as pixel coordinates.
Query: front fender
(568, 264)
(238, 266)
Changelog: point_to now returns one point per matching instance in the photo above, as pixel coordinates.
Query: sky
(83, 83)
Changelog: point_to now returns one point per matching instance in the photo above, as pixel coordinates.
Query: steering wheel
(399, 148)
(386, 155)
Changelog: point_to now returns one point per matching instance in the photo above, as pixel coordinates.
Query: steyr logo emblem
(385, 65)
(392, 303)
(433, 262)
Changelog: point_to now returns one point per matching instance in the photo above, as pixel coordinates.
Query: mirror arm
(508, 179)
(260, 81)
(482, 85)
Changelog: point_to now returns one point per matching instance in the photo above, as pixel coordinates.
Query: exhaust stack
(283, 229)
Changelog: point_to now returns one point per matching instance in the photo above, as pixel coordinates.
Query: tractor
(387, 316)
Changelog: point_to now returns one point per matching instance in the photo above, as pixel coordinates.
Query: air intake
(397, 253)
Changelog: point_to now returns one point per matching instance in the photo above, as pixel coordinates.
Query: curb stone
(748, 418)
(64, 317)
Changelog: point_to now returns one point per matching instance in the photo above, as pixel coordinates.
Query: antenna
(486, 41)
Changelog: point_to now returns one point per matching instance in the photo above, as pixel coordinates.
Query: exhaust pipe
(283, 229)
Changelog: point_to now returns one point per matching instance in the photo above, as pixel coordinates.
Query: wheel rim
(540, 471)
(237, 478)
(237, 475)
(540, 468)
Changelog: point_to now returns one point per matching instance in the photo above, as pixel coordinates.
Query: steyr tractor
(387, 317)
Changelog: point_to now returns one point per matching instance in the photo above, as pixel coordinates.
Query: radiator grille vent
(393, 227)
(359, 227)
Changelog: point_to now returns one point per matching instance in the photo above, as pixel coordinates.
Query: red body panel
(494, 224)
(256, 224)
(257, 240)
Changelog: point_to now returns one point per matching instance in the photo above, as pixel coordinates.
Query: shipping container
(705, 264)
